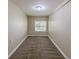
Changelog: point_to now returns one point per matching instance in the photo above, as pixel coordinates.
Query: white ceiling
(28, 5)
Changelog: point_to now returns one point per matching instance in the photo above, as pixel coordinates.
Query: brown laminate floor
(37, 47)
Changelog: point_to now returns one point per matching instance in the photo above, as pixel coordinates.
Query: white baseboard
(37, 35)
(58, 48)
(16, 47)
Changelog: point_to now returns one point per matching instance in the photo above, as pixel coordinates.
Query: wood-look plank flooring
(37, 47)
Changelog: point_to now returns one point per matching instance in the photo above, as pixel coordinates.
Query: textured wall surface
(31, 25)
(60, 28)
(17, 26)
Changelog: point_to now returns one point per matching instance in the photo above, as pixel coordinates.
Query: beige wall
(17, 26)
(60, 28)
(31, 27)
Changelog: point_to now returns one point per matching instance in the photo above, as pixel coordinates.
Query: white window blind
(40, 26)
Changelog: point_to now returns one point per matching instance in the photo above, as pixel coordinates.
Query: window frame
(45, 26)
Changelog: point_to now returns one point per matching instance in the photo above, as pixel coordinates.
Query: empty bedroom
(39, 29)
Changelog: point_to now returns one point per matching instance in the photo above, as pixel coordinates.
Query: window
(40, 26)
